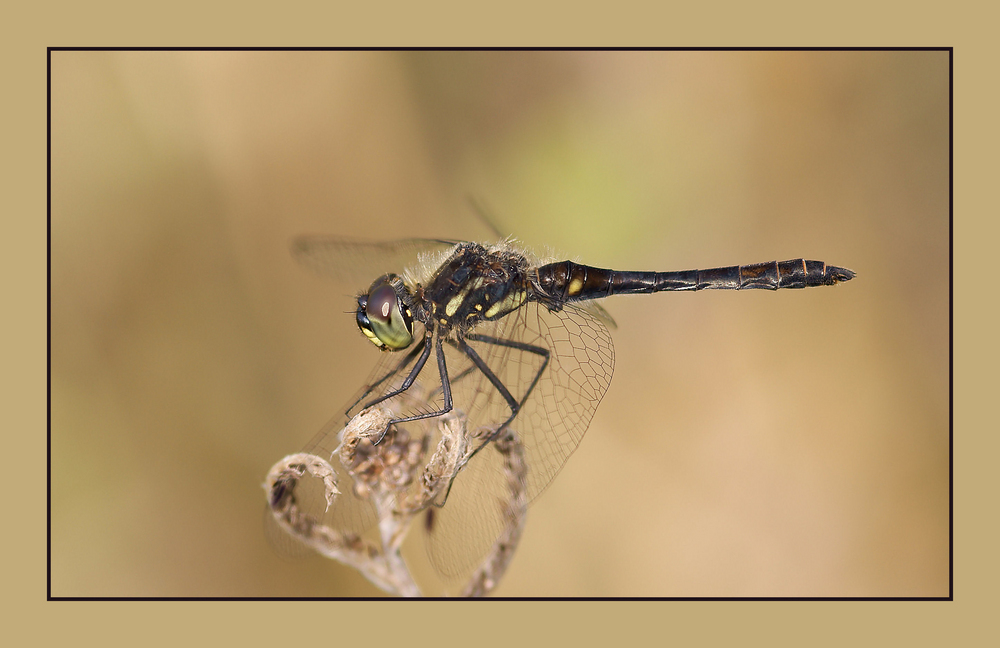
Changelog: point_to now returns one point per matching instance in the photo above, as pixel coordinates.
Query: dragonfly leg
(425, 353)
(515, 406)
(445, 388)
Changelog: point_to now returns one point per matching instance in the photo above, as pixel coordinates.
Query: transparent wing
(358, 262)
(552, 421)
(558, 411)
(595, 309)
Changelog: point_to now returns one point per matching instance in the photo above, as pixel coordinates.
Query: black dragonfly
(513, 342)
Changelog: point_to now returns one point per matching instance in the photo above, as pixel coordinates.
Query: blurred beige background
(751, 444)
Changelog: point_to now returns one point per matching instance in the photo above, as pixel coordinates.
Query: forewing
(358, 262)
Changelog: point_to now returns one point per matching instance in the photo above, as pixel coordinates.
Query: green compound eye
(383, 320)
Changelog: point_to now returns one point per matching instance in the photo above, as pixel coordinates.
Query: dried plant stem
(385, 569)
(514, 514)
(386, 475)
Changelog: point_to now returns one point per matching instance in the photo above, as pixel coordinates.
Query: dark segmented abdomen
(568, 281)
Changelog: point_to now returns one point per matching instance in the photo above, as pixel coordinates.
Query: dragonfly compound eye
(383, 319)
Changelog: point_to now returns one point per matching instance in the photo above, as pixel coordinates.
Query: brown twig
(389, 476)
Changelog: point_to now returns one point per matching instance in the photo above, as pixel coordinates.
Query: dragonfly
(517, 344)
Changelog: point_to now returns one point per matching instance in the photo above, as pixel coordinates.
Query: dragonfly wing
(358, 262)
(559, 395)
(594, 308)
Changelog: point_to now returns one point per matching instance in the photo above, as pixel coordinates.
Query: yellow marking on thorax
(452, 306)
(509, 303)
(456, 302)
(575, 286)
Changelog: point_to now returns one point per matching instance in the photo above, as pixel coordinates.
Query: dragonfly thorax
(476, 284)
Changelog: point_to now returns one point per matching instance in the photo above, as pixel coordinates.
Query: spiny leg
(425, 353)
(445, 388)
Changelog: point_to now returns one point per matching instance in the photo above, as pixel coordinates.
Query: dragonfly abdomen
(568, 281)
(772, 275)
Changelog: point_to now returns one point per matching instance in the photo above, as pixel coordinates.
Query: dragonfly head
(384, 316)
